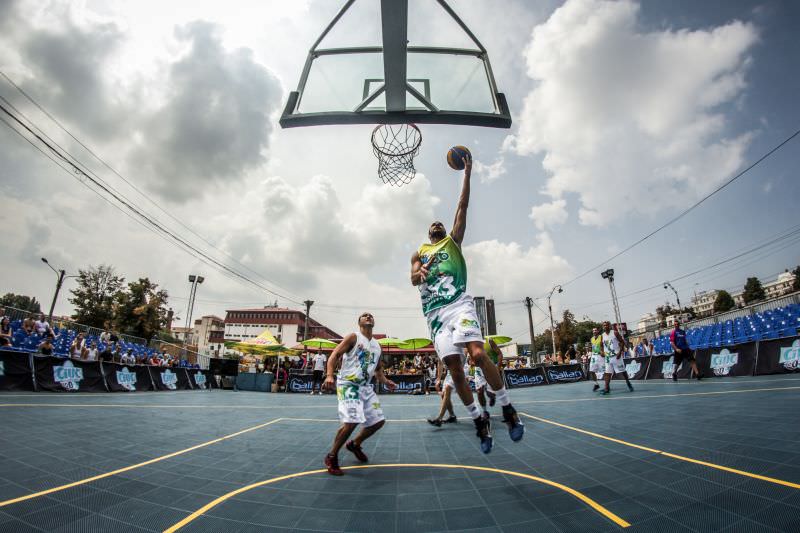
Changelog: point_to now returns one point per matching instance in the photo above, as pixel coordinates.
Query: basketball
(455, 156)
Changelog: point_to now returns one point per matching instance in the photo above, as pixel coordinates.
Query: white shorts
(480, 382)
(457, 325)
(358, 404)
(448, 382)
(614, 365)
(597, 365)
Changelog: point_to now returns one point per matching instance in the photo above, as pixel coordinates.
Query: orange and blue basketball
(455, 157)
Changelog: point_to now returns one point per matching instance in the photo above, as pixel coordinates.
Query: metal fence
(20, 314)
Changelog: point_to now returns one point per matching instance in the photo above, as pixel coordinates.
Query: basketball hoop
(396, 146)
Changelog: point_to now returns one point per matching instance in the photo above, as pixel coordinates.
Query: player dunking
(439, 271)
(358, 404)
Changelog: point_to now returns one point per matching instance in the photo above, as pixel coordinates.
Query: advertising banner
(198, 379)
(662, 367)
(300, 383)
(778, 356)
(169, 378)
(406, 384)
(524, 377)
(739, 360)
(127, 378)
(564, 373)
(636, 368)
(59, 375)
(15, 371)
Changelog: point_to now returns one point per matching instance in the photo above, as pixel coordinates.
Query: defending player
(475, 375)
(496, 356)
(613, 346)
(360, 355)
(439, 271)
(597, 364)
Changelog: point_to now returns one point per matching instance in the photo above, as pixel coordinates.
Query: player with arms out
(360, 356)
(439, 271)
(613, 346)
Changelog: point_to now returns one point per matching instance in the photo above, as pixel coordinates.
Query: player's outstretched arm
(460, 222)
(333, 361)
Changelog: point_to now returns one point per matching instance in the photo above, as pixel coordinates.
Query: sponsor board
(126, 379)
(200, 380)
(68, 375)
(789, 357)
(565, 375)
(633, 368)
(525, 380)
(300, 383)
(2, 369)
(722, 362)
(169, 379)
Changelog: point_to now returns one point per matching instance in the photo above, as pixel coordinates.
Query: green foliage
(20, 301)
(141, 310)
(662, 312)
(753, 291)
(724, 302)
(568, 331)
(95, 296)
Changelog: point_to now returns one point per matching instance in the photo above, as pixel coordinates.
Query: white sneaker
(312, 392)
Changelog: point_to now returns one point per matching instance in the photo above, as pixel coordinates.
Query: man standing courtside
(682, 351)
(613, 347)
(360, 356)
(439, 271)
(318, 371)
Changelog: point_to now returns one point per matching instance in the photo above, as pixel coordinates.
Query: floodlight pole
(667, 285)
(195, 281)
(609, 275)
(528, 304)
(308, 303)
(59, 282)
(550, 309)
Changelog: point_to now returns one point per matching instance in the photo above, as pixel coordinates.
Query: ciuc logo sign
(722, 362)
(169, 379)
(790, 356)
(200, 380)
(668, 368)
(68, 375)
(633, 368)
(126, 379)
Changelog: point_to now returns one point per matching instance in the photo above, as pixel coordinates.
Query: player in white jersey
(444, 387)
(613, 348)
(360, 357)
(439, 271)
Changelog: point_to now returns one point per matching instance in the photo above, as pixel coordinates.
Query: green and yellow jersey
(447, 278)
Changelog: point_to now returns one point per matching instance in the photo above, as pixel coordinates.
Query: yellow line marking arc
(668, 454)
(590, 502)
(132, 467)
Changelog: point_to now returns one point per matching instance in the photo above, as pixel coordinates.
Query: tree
(94, 298)
(724, 302)
(796, 282)
(20, 301)
(566, 331)
(753, 291)
(662, 312)
(141, 310)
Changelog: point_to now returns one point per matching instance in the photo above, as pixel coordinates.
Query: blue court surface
(716, 455)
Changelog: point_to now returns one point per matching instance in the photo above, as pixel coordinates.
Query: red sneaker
(332, 462)
(357, 451)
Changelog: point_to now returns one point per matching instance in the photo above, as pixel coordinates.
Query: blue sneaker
(516, 429)
(605, 392)
(483, 428)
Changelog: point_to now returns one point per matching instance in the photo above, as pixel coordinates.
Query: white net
(396, 146)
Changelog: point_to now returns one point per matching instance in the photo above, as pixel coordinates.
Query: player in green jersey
(439, 271)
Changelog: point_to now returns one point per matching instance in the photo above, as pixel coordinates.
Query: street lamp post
(308, 303)
(195, 281)
(550, 309)
(668, 285)
(609, 275)
(61, 274)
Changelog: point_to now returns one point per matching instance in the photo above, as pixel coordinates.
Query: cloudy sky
(625, 113)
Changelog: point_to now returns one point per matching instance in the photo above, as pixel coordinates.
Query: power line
(688, 210)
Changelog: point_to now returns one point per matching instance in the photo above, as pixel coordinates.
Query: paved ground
(629, 455)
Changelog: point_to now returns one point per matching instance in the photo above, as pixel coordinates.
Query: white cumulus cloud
(631, 120)
(549, 214)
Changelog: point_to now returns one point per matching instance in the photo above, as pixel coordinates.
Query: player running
(597, 364)
(439, 271)
(612, 346)
(360, 355)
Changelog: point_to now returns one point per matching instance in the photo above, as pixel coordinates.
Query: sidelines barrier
(20, 371)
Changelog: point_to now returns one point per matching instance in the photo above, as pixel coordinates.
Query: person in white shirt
(318, 371)
(360, 357)
(41, 326)
(92, 353)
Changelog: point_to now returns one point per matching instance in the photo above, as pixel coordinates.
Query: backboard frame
(396, 86)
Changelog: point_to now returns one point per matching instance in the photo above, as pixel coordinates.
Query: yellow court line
(132, 467)
(644, 396)
(668, 454)
(590, 502)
